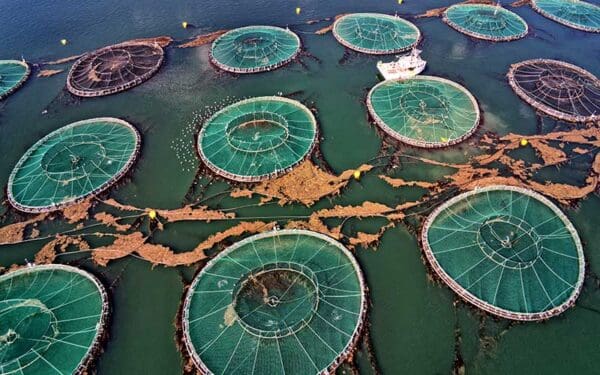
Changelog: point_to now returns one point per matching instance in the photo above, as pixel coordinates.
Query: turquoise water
(413, 319)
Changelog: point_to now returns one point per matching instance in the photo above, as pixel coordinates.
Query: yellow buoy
(524, 142)
(357, 174)
(399, 2)
(64, 42)
(152, 214)
(298, 10)
(443, 139)
(184, 24)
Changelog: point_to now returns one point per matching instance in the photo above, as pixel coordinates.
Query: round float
(254, 49)
(258, 138)
(576, 14)
(376, 34)
(507, 250)
(74, 162)
(487, 22)
(13, 73)
(114, 69)
(424, 111)
(53, 317)
(287, 301)
(558, 89)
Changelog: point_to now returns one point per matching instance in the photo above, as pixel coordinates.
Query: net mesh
(12, 75)
(282, 302)
(254, 49)
(257, 138)
(71, 163)
(573, 13)
(376, 33)
(507, 250)
(424, 111)
(564, 91)
(486, 22)
(51, 319)
(114, 68)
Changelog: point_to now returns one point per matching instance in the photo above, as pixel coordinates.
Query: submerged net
(561, 90)
(254, 49)
(114, 68)
(257, 138)
(76, 161)
(12, 75)
(424, 111)
(282, 302)
(487, 22)
(376, 34)
(51, 320)
(508, 251)
(577, 14)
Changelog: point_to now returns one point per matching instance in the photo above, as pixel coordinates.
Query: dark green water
(413, 320)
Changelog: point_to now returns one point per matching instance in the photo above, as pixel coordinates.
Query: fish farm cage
(506, 250)
(115, 68)
(285, 301)
(376, 34)
(576, 14)
(13, 73)
(53, 320)
(72, 163)
(258, 138)
(424, 111)
(254, 49)
(558, 89)
(487, 22)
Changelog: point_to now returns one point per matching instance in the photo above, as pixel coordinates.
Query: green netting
(76, 161)
(573, 13)
(12, 75)
(282, 302)
(257, 138)
(487, 22)
(254, 49)
(374, 33)
(507, 250)
(51, 318)
(424, 111)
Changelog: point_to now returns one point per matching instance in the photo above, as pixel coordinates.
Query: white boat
(407, 66)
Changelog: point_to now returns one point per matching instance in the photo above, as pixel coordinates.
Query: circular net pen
(576, 14)
(282, 302)
(486, 22)
(72, 163)
(376, 34)
(254, 49)
(424, 111)
(558, 89)
(257, 139)
(52, 320)
(13, 73)
(506, 250)
(114, 69)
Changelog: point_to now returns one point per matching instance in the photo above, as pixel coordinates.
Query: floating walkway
(576, 14)
(254, 49)
(257, 139)
(113, 69)
(487, 22)
(281, 302)
(558, 89)
(53, 319)
(507, 250)
(376, 34)
(13, 73)
(72, 163)
(424, 111)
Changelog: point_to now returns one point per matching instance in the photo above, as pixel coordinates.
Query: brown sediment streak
(327, 29)
(398, 182)
(111, 221)
(78, 211)
(120, 206)
(49, 72)
(60, 244)
(63, 60)
(367, 209)
(162, 41)
(125, 245)
(520, 3)
(369, 239)
(315, 224)
(202, 39)
(13, 233)
(437, 12)
(186, 213)
(305, 184)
